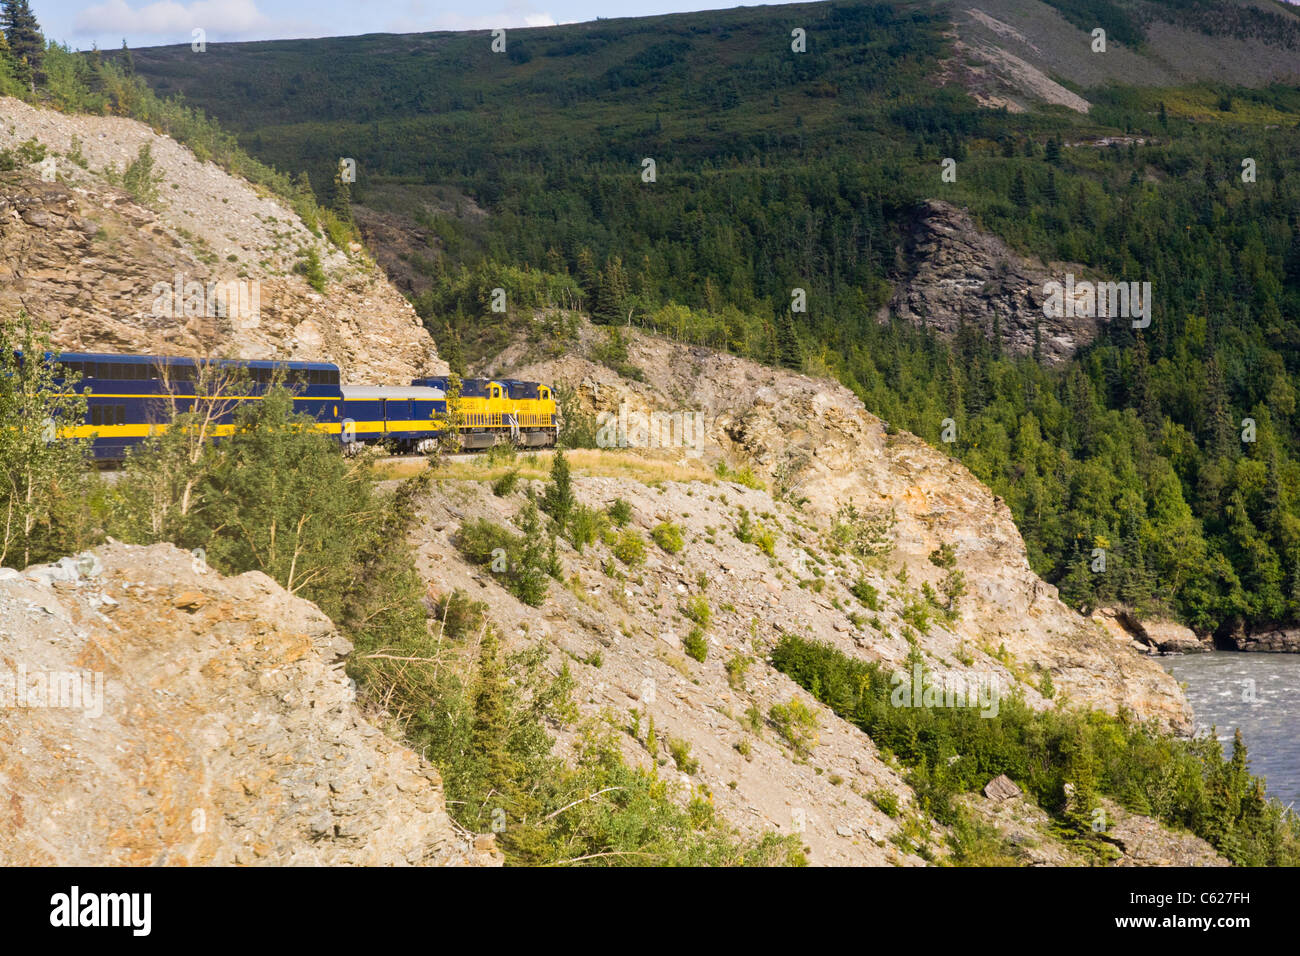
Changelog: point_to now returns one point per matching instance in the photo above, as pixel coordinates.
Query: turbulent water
(1260, 693)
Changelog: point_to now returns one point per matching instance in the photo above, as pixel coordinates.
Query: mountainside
(1018, 53)
(704, 652)
(811, 439)
(102, 266)
(886, 199)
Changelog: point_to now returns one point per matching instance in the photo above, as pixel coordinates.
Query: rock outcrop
(153, 712)
(1125, 839)
(1283, 640)
(103, 270)
(952, 272)
(1151, 635)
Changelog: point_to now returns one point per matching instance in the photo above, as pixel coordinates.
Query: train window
(108, 415)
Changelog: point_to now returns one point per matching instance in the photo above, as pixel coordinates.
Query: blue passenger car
(407, 418)
(128, 397)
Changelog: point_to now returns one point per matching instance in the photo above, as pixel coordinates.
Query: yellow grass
(647, 467)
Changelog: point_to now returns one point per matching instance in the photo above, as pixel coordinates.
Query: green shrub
(745, 476)
(944, 556)
(521, 561)
(668, 536)
(885, 801)
(681, 751)
(695, 644)
(736, 666)
(865, 535)
(797, 725)
(459, 616)
(697, 609)
(630, 548)
(506, 483)
(309, 267)
(916, 612)
(620, 512)
(585, 526)
(744, 527)
(33, 151)
(868, 595)
(139, 179)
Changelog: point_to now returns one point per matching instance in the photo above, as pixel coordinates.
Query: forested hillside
(1172, 450)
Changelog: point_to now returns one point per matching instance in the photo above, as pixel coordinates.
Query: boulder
(1001, 788)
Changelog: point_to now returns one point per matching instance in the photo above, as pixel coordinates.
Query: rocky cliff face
(953, 272)
(810, 440)
(153, 712)
(111, 274)
(814, 439)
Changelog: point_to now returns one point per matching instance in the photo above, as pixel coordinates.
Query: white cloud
(166, 18)
(417, 18)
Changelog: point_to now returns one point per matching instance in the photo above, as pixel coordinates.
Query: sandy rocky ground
(81, 254)
(222, 730)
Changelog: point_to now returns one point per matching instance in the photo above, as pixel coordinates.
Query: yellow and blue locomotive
(495, 411)
(130, 397)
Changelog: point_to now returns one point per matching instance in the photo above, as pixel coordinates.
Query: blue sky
(79, 23)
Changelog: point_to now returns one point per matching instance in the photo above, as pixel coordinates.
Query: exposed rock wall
(953, 272)
(214, 726)
(79, 253)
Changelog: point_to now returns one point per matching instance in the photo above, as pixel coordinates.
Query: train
(130, 397)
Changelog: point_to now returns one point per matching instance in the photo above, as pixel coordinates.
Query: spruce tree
(342, 197)
(791, 355)
(26, 43)
(558, 502)
(1019, 191)
(611, 293)
(491, 731)
(1140, 396)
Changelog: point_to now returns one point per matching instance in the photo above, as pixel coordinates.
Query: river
(1260, 693)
